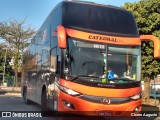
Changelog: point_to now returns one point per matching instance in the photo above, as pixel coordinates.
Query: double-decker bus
(86, 58)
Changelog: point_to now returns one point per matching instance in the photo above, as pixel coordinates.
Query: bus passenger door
(52, 77)
(31, 85)
(51, 89)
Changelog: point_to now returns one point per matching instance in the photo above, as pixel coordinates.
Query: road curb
(10, 90)
(13, 94)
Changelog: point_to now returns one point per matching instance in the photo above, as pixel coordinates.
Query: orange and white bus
(86, 59)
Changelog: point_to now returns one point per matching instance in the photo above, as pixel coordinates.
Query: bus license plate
(105, 113)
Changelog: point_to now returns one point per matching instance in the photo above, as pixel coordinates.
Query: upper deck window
(96, 18)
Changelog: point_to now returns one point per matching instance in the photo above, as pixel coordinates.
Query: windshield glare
(108, 62)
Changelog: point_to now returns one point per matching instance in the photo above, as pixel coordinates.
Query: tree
(147, 15)
(17, 35)
(5, 55)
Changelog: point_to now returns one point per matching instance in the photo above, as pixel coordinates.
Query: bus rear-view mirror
(156, 43)
(61, 37)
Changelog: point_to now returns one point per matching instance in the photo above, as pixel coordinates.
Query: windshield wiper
(83, 76)
(123, 80)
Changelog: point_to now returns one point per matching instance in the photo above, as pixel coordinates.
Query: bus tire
(44, 99)
(25, 96)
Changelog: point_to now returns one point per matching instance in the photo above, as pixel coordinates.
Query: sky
(36, 11)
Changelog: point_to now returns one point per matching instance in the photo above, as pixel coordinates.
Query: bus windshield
(97, 60)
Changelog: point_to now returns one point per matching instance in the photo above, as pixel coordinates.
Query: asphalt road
(15, 104)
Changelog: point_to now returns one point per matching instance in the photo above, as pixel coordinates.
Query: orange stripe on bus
(103, 38)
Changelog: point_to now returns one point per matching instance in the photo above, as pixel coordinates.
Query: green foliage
(9, 80)
(17, 35)
(5, 58)
(147, 15)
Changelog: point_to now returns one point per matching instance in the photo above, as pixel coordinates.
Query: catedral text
(93, 37)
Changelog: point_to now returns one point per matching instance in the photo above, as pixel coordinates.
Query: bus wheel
(25, 97)
(44, 99)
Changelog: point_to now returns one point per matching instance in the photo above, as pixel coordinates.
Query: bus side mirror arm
(61, 37)
(156, 41)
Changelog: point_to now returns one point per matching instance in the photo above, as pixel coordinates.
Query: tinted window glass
(110, 20)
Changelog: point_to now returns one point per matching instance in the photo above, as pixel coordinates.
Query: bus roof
(98, 18)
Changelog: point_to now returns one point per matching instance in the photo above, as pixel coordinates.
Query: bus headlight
(136, 97)
(71, 92)
(68, 91)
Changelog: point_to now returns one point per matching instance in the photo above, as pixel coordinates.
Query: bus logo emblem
(105, 101)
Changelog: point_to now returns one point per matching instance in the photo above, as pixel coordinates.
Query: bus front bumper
(76, 105)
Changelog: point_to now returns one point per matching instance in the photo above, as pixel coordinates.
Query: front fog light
(136, 109)
(68, 104)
